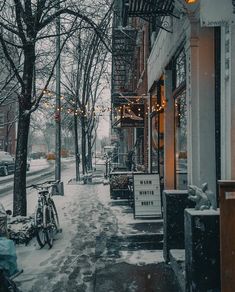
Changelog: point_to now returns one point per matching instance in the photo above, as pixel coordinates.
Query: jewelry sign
(147, 195)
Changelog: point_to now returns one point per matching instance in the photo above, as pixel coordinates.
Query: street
(85, 257)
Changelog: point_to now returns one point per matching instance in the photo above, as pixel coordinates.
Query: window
(157, 129)
(179, 85)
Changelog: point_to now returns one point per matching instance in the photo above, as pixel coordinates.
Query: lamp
(190, 1)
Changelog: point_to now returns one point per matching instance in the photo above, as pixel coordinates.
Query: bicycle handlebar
(36, 186)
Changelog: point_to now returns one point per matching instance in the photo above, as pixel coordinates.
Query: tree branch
(12, 64)
(77, 14)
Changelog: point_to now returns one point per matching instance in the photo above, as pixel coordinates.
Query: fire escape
(149, 10)
(128, 109)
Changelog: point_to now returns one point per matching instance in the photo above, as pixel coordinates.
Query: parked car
(7, 163)
(37, 155)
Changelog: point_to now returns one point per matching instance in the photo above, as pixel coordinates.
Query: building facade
(181, 69)
(189, 120)
(130, 47)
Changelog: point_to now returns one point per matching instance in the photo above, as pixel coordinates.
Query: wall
(201, 107)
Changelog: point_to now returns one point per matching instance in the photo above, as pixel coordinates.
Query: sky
(104, 124)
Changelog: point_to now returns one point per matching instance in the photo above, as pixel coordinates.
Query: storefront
(186, 59)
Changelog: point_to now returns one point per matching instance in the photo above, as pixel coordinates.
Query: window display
(180, 122)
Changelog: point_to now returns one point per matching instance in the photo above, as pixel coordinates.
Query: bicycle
(46, 218)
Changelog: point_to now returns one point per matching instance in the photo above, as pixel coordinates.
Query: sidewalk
(98, 250)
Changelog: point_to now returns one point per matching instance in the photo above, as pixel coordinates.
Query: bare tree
(84, 87)
(25, 26)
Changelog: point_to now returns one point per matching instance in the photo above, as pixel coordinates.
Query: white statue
(203, 197)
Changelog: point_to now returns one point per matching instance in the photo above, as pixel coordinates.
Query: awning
(131, 116)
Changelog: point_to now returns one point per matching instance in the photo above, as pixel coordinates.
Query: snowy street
(85, 256)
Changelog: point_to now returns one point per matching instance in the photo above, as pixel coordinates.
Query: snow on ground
(142, 257)
(125, 219)
(36, 164)
(34, 260)
(85, 212)
(98, 161)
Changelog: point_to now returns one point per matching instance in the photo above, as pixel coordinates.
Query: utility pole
(58, 103)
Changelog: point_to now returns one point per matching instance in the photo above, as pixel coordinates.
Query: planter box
(174, 204)
(119, 182)
(202, 250)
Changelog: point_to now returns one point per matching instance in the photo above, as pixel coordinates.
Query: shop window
(154, 148)
(181, 141)
(157, 130)
(179, 95)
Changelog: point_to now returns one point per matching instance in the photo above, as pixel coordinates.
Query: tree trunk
(84, 158)
(20, 200)
(6, 143)
(89, 146)
(77, 154)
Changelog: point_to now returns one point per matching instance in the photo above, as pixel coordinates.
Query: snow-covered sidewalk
(82, 258)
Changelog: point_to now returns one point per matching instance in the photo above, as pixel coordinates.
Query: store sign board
(147, 195)
(217, 12)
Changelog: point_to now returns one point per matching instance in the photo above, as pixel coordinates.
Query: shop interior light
(190, 1)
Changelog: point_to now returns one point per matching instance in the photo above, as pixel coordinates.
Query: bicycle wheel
(40, 232)
(48, 225)
(55, 217)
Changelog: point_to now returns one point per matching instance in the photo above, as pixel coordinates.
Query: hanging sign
(217, 12)
(147, 195)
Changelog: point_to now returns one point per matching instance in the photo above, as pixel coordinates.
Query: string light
(97, 110)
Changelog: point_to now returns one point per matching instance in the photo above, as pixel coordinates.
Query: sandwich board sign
(147, 195)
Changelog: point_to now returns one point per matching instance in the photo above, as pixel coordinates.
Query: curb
(40, 174)
(5, 190)
(28, 174)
